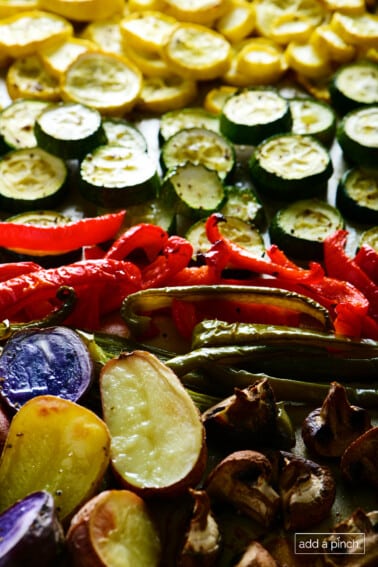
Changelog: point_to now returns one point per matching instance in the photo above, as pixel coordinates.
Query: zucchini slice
(31, 178)
(357, 195)
(199, 145)
(301, 227)
(291, 166)
(357, 134)
(241, 232)
(314, 117)
(120, 132)
(244, 204)
(354, 85)
(17, 123)
(193, 190)
(253, 114)
(115, 176)
(180, 119)
(370, 237)
(69, 130)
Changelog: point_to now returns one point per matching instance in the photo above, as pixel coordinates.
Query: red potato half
(157, 435)
(54, 445)
(113, 528)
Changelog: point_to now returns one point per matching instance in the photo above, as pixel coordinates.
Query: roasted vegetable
(30, 532)
(307, 491)
(158, 439)
(37, 362)
(202, 541)
(353, 542)
(56, 445)
(247, 420)
(328, 430)
(256, 556)
(359, 463)
(113, 528)
(244, 480)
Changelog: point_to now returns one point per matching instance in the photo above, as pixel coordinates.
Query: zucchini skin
(350, 206)
(357, 152)
(294, 240)
(345, 102)
(277, 186)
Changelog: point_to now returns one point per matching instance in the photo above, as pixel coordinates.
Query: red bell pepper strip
(367, 259)
(241, 258)
(10, 270)
(60, 237)
(216, 259)
(339, 265)
(113, 279)
(175, 256)
(148, 237)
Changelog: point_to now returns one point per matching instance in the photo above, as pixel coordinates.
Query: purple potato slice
(53, 360)
(30, 532)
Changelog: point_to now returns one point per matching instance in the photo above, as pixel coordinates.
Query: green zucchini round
(301, 228)
(357, 195)
(115, 176)
(173, 121)
(243, 203)
(357, 134)
(199, 145)
(31, 179)
(354, 85)
(120, 132)
(369, 237)
(253, 114)
(193, 190)
(290, 167)
(314, 117)
(17, 122)
(69, 130)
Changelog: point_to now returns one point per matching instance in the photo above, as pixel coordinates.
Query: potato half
(157, 436)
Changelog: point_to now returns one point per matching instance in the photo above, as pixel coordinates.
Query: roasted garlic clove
(328, 430)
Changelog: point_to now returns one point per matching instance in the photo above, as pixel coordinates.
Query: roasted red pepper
(175, 256)
(241, 258)
(367, 259)
(60, 237)
(341, 266)
(12, 269)
(147, 237)
(216, 259)
(100, 286)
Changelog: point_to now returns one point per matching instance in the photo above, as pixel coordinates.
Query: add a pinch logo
(329, 543)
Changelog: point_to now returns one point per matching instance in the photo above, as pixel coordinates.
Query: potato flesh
(122, 531)
(54, 445)
(156, 431)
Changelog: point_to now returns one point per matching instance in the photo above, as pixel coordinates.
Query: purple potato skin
(30, 532)
(52, 360)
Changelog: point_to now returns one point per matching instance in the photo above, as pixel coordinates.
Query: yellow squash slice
(197, 52)
(203, 12)
(57, 59)
(26, 32)
(238, 21)
(307, 60)
(262, 61)
(106, 34)
(83, 10)
(108, 82)
(269, 11)
(360, 30)
(164, 94)
(147, 30)
(12, 7)
(27, 77)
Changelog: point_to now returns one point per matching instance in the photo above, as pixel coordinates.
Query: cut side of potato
(54, 445)
(114, 528)
(157, 436)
